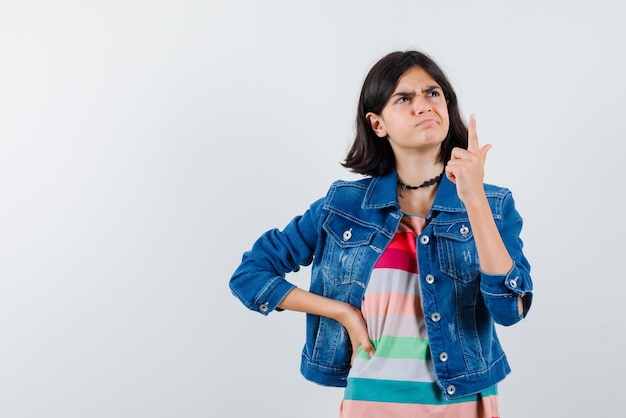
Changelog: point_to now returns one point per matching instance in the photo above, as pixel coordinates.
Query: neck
(417, 202)
(414, 168)
(416, 174)
(426, 183)
(417, 186)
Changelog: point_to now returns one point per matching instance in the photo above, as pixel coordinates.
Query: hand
(347, 315)
(466, 168)
(353, 322)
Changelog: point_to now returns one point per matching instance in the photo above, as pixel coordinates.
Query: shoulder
(494, 191)
(344, 193)
(363, 183)
(501, 201)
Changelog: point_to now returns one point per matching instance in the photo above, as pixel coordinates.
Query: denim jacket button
(347, 235)
(464, 230)
(263, 307)
(430, 279)
(424, 239)
(436, 317)
(443, 356)
(451, 389)
(513, 282)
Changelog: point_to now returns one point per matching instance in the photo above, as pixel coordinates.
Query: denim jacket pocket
(347, 243)
(458, 257)
(332, 345)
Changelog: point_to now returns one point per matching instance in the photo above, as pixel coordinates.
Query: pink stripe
(391, 303)
(403, 240)
(488, 408)
(397, 259)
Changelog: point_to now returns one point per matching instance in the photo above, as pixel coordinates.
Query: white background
(144, 145)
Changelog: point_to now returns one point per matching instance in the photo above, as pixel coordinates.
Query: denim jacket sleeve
(259, 281)
(501, 292)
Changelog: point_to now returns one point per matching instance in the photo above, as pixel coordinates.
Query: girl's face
(416, 115)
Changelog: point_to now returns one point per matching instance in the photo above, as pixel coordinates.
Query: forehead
(416, 77)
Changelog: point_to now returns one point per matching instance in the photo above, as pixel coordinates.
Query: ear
(378, 125)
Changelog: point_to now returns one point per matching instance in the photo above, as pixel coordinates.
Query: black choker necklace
(427, 183)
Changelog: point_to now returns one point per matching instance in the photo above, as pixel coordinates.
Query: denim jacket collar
(382, 192)
(447, 199)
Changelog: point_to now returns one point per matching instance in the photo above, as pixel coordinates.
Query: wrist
(342, 312)
(477, 203)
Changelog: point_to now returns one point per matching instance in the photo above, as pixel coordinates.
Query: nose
(421, 105)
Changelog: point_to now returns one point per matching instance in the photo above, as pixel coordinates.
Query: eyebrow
(431, 88)
(410, 93)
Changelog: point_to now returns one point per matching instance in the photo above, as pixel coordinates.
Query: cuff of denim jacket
(271, 296)
(513, 282)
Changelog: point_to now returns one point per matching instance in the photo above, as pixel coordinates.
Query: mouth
(427, 122)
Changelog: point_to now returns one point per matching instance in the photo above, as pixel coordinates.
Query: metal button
(443, 356)
(451, 389)
(430, 279)
(263, 307)
(347, 235)
(436, 317)
(464, 230)
(513, 282)
(424, 239)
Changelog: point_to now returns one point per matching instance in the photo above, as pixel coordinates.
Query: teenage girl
(412, 266)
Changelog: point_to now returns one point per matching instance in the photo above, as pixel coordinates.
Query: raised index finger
(472, 136)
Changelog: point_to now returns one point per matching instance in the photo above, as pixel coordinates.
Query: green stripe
(422, 393)
(399, 347)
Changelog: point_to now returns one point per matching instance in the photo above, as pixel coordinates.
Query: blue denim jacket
(344, 234)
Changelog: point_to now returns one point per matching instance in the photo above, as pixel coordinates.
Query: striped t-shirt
(399, 380)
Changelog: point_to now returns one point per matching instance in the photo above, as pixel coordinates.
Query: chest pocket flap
(348, 233)
(459, 231)
(347, 243)
(457, 251)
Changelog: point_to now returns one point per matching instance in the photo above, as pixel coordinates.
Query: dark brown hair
(373, 156)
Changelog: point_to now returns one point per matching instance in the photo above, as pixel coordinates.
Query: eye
(435, 93)
(403, 99)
